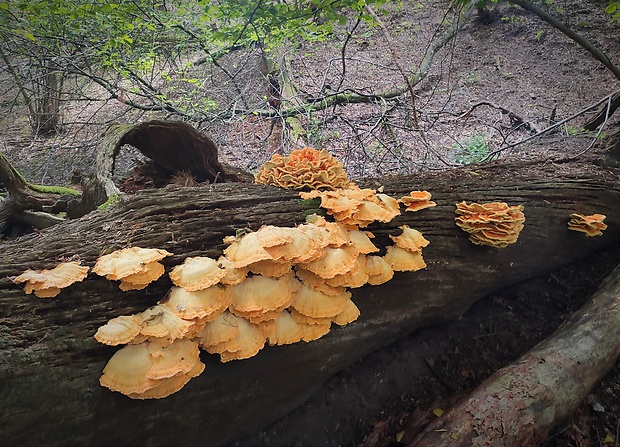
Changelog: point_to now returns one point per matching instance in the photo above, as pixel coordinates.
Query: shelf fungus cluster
(417, 200)
(590, 225)
(48, 283)
(495, 224)
(273, 286)
(303, 168)
(135, 267)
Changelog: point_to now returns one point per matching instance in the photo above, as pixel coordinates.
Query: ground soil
(514, 61)
(389, 396)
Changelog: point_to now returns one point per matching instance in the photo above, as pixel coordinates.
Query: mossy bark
(50, 364)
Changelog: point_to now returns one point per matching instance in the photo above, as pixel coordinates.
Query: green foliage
(133, 40)
(471, 150)
(613, 9)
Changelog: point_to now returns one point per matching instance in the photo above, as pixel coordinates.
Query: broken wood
(50, 364)
(521, 403)
(177, 147)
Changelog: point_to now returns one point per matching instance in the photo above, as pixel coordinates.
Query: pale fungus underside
(48, 283)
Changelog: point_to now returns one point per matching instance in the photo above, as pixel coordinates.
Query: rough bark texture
(176, 147)
(50, 364)
(520, 403)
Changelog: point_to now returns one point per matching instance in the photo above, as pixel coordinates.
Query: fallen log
(50, 364)
(521, 403)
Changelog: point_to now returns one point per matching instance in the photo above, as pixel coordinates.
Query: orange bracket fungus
(495, 224)
(48, 283)
(355, 206)
(197, 273)
(417, 200)
(136, 267)
(274, 285)
(590, 225)
(303, 168)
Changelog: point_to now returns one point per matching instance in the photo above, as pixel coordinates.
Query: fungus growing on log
(204, 303)
(274, 285)
(417, 200)
(495, 224)
(136, 267)
(48, 283)
(119, 330)
(197, 273)
(149, 366)
(303, 168)
(355, 206)
(590, 225)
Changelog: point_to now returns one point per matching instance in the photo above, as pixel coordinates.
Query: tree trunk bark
(522, 402)
(50, 364)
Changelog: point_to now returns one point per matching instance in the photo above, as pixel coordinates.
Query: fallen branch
(515, 120)
(492, 154)
(521, 403)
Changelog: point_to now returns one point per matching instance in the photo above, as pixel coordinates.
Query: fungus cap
(260, 294)
(119, 330)
(126, 371)
(417, 200)
(314, 331)
(233, 275)
(591, 225)
(171, 385)
(48, 283)
(303, 168)
(196, 273)
(222, 329)
(401, 260)
(410, 239)
(337, 261)
(199, 303)
(378, 270)
(246, 250)
(160, 321)
(248, 341)
(348, 315)
(494, 224)
(172, 359)
(138, 281)
(282, 330)
(127, 261)
(313, 303)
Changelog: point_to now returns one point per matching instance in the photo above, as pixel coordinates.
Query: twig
(594, 140)
(390, 43)
(550, 128)
(515, 120)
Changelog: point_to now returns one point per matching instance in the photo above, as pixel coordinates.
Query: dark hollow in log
(50, 364)
(521, 403)
(177, 147)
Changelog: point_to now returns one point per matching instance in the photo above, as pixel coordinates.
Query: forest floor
(514, 61)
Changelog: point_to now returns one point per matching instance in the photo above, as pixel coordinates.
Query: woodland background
(389, 88)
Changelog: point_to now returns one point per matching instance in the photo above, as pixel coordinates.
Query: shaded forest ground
(516, 62)
(398, 388)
